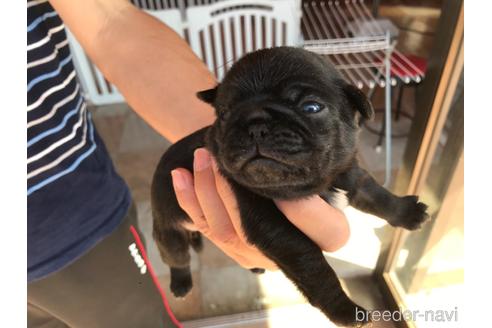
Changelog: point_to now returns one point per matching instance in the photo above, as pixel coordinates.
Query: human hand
(210, 203)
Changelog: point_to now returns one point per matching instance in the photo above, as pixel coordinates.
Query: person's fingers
(322, 223)
(229, 199)
(210, 201)
(187, 200)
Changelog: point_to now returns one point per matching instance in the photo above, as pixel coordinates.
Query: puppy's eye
(311, 107)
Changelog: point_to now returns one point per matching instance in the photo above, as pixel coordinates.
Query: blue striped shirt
(74, 196)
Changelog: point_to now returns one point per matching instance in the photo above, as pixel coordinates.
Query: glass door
(423, 271)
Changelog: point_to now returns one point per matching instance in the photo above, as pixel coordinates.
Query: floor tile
(137, 169)
(138, 136)
(110, 128)
(229, 290)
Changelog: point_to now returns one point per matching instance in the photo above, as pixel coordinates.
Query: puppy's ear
(207, 96)
(359, 100)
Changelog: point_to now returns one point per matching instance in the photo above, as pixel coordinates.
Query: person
(86, 264)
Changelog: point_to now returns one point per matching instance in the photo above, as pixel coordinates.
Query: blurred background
(407, 55)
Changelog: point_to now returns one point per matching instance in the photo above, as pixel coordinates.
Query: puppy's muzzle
(258, 132)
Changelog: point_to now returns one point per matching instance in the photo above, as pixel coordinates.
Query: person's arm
(152, 66)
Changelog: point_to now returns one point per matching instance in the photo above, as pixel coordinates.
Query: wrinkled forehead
(275, 71)
(278, 81)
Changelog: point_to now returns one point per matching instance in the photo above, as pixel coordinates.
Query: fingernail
(179, 181)
(202, 159)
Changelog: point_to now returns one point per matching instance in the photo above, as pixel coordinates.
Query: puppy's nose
(256, 120)
(258, 131)
(257, 114)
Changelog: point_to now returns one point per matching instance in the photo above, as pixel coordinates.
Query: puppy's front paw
(409, 213)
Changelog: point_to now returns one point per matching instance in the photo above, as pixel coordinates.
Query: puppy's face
(286, 122)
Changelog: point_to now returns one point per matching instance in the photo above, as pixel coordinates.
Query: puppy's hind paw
(181, 289)
(353, 316)
(411, 213)
(181, 282)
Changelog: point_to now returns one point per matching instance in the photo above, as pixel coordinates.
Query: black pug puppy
(286, 128)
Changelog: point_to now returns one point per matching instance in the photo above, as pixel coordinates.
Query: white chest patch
(339, 199)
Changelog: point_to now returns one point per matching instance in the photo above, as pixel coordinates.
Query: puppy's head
(286, 122)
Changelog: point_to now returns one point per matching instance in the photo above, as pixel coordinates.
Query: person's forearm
(154, 69)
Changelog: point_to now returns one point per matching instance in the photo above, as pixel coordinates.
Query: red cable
(154, 277)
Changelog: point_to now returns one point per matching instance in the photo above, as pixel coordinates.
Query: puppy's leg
(365, 194)
(196, 241)
(297, 256)
(172, 239)
(173, 245)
